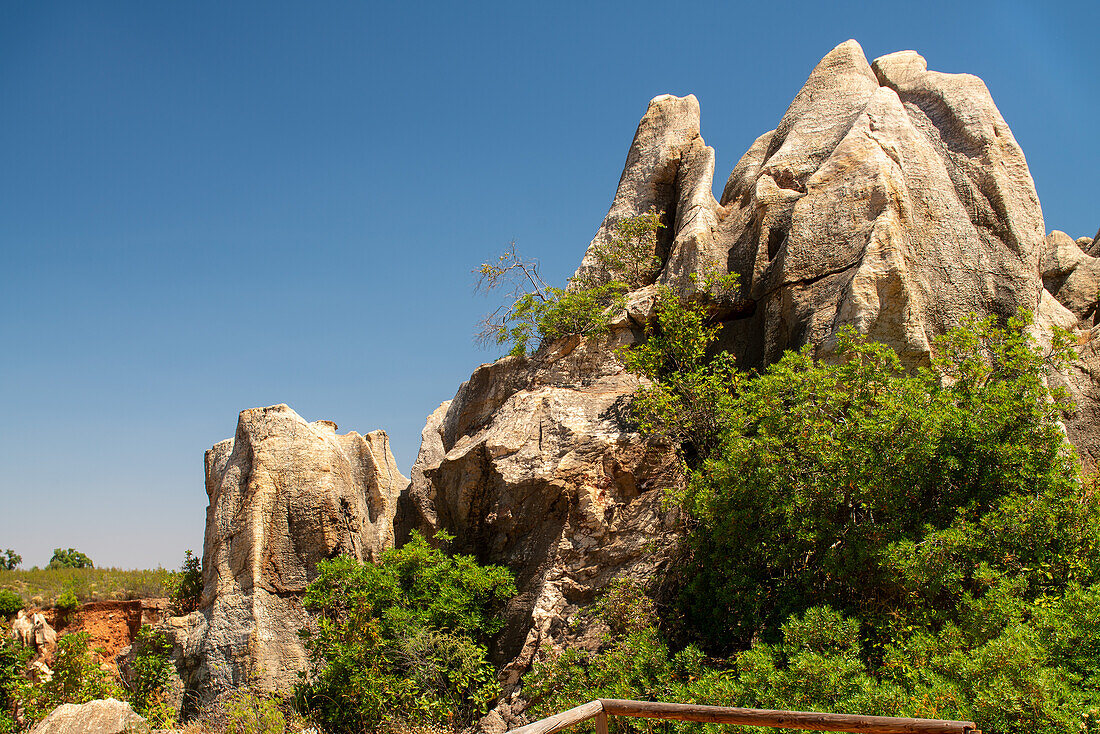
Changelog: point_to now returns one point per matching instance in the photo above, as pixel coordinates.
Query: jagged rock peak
(668, 169)
(889, 197)
(284, 494)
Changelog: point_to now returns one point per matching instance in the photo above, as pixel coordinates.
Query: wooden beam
(557, 722)
(785, 719)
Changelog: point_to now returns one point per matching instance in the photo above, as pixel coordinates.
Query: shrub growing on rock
(537, 313)
(186, 585)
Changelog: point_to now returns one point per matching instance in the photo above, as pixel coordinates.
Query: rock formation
(22, 629)
(889, 198)
(284, 494)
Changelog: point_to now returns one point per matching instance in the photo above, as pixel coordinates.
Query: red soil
(111, 625)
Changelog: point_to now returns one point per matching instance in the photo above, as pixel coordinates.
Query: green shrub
(250, 712)
(13, 684)
(10, 603)
(148, 676)
(539, 313)
(186, 590)
(67, 602)
(865, 537)
(403, 641)
(77, 678)
(70, 558)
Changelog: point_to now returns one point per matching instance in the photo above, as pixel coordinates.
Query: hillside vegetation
(42, 587)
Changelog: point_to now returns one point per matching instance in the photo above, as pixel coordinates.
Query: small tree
(10, 603)
(535, 312)
(10, 560)
(187, 584)
(69, 558)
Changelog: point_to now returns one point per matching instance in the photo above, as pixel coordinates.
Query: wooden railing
(601, 708)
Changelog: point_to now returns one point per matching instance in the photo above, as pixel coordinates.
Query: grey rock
(284, 494)
(106, 716)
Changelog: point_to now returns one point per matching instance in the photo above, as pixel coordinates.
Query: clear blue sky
(208, 206)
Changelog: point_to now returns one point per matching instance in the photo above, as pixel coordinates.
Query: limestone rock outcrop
(106, 716)
(534, 464)
(888, 198)
(284, 494)
(1092, 247)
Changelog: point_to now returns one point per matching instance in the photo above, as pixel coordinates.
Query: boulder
(1072, 277)
(284, 494)
(106, 716)
(1093, 247)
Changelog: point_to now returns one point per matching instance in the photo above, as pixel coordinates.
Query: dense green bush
(77, 678)
(69, 558)
(13, 684)
(892, 496)
(67, 603)
(10, 603)
(403, 641)
(866, 537)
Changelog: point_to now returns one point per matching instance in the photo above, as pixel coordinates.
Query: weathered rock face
(284, 494)
(533, 464)
(107, 716)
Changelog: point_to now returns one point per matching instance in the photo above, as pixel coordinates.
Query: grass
(41, 587)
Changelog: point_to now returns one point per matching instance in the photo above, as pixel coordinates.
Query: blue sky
(208, 206)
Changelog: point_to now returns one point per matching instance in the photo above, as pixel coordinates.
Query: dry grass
(41, 587)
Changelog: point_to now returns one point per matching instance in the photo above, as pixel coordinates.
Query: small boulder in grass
(106, 716)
